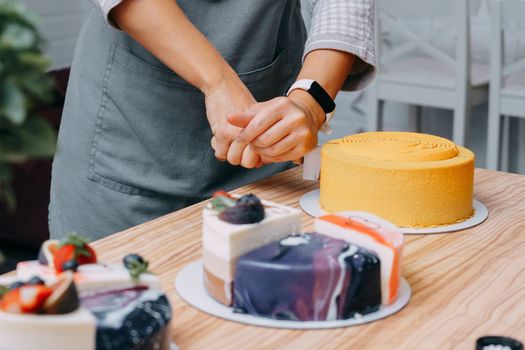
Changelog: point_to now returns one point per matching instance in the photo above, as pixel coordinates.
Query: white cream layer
(91, 277)
(225, 242)
(76, 330)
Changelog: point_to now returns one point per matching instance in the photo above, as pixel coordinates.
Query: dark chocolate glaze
(307, 277)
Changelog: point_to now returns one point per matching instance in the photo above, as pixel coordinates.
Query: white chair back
(507, 85)
(504, 13)
(453, 15)
(448, 19)
(513, 11)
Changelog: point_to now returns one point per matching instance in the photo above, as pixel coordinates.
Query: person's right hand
(230, 95)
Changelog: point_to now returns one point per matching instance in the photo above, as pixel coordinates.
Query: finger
(249, 159)
(279, 148)
(294, 153)
(275, 133)
(235, 151)
(221, 148)
(240, 119)
(259, 124)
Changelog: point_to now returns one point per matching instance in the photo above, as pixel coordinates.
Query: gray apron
(134, 141)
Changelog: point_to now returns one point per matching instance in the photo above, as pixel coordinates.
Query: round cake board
(191, 289)
(310, 204)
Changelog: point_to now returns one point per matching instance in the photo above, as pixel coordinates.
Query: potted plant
(24, 85)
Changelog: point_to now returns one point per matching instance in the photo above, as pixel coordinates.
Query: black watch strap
(317, 92)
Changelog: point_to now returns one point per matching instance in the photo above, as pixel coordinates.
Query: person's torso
(143, 128)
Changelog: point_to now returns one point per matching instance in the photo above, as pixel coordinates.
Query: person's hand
(230, 95)
(282, 129)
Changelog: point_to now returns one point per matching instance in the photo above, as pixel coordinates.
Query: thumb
(240, 119)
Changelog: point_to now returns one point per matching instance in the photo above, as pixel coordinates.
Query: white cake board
(310, 204)
(190, 287)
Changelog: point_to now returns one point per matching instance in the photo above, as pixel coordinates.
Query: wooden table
(465, 284)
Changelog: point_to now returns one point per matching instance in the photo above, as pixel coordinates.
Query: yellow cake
(413, 180)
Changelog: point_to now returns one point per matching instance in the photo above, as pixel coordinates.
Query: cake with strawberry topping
(69, 300)
(73, 253)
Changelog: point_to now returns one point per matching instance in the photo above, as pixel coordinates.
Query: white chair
(419, 73)
(507, 82)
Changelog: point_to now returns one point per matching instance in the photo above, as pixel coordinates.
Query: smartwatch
(321, 96)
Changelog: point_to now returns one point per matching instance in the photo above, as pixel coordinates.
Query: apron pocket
(152, 137)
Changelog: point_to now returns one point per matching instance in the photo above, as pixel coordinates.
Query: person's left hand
(281, 129)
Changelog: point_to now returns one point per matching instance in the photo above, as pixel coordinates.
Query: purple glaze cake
(134, 319)
(308, 277)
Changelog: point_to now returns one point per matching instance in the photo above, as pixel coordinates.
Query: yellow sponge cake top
(397, 150)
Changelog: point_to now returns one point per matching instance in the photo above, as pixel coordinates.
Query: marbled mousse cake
(374, 234)
(308, 277)
(409, 179)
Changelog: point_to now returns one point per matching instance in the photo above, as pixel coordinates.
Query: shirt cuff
(106, 6)
(364, 67)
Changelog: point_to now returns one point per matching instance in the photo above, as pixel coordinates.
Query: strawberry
(73, 251)
(25, 300)
(222, 193)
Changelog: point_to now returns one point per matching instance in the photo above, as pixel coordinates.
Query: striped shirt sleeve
(345, 25)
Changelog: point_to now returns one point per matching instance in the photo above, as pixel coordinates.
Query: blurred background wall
(60, 23)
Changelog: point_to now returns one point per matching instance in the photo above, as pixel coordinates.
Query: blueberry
(132, 260)
(70, 265)
(35, 281)
(135, 264)
(248, 199)
(16, 285)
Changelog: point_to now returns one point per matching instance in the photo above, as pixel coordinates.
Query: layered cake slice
(308, 277)
(78, 303)
(374, 234)
(234, 226)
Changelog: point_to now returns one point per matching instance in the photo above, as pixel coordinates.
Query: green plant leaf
(36, 139)
(12, 103)
(24, 85)
(17, 37)
(35, 60)
(38, 86)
